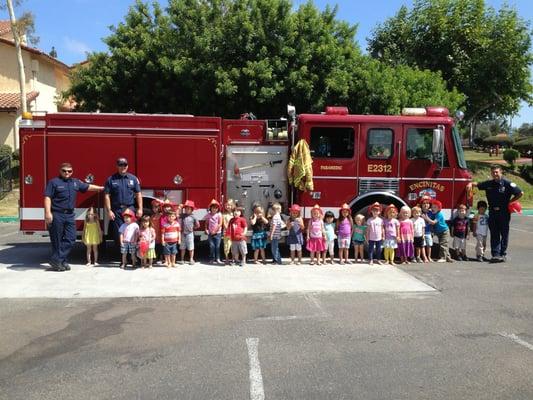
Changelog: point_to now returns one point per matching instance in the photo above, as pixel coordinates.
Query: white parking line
(284, 318)
(256, 378)
(516, 339)
(520, 230)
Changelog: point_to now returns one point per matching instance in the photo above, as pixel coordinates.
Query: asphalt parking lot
(468, 336)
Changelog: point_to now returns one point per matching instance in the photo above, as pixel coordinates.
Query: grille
(379, 185)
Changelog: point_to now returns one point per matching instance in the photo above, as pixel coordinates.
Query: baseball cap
(122, 161)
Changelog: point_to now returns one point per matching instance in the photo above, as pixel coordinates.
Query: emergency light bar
(425, 112)
(333, 110)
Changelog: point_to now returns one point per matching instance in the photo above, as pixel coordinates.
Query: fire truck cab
(361, 159)
(356, 159)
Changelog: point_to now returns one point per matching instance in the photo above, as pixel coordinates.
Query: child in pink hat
(316, 235)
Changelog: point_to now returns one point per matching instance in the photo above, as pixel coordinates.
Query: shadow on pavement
(22, 257)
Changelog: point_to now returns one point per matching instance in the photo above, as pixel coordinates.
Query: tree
(24, 25)
(483, 53)
(525, 130)
(491, 127)
(53, 52)
(224, 57)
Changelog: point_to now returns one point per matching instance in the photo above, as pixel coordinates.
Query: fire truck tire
(362, 206)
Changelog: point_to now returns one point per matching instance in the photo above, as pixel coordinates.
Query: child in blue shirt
(425, 205)
(441, 230)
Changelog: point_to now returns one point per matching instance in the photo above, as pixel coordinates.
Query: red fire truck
(356, 159)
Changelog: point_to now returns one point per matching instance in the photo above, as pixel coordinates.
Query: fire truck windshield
(458, 148)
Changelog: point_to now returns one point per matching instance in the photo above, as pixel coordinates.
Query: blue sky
(75, 27)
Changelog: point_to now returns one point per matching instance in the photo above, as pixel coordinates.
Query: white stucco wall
(42, 75)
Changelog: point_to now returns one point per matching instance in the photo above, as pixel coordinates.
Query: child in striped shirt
(276, 225)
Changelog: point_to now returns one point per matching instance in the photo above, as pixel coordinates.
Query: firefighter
(500, 192)
(59, 204)
(122, 190)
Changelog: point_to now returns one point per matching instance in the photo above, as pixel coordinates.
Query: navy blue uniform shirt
(122, 189)
(499, 193)
(62, 192)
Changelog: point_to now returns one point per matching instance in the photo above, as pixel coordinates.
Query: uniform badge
(131, 181)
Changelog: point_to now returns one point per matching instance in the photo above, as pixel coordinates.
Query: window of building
(329, 142)
(380, 143)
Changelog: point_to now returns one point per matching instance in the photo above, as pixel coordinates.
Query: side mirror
(438, 141)
(438, 145)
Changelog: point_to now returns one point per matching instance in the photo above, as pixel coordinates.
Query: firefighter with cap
(59, 204)
(122, 191)
(500, 193)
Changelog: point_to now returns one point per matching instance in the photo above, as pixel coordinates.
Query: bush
(511, 155)
(526, 172)
(524, 145)
(16, 155)
(5, 151)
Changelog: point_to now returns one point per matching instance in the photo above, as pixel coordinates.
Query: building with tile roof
(46, 78)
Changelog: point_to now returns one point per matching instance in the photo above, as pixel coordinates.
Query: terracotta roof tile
(11, 101)
(5, 27)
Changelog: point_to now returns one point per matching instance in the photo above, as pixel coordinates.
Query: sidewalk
(20, 281)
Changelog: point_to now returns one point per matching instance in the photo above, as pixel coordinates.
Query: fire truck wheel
(364, 207)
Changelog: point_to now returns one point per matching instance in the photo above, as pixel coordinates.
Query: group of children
(406, 233)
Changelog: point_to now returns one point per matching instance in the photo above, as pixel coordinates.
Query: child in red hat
(170, 238)
(238, 227)
(375, 234)
(440, 229)
(392, 232)
(188, 224)
(344, 233)
(316, 235)
(213, 229)
(129, 234)
(425, 208)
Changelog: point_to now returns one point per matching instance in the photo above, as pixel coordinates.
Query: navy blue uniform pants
(499, 232)
(62, 232)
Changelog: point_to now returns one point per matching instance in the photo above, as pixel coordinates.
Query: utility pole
(16, 38)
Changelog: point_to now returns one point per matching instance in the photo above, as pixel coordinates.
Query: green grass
(9, 205)
(472, 155)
